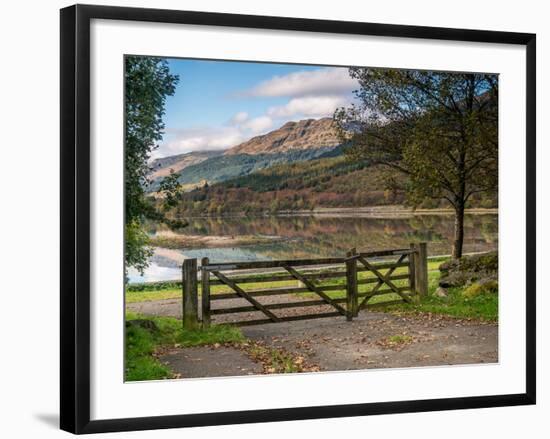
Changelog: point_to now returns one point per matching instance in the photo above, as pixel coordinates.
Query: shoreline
(171, 240)
(389, 211)
(381, 212)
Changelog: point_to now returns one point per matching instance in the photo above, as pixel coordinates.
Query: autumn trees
(438, 129)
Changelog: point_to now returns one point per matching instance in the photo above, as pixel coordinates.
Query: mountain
(161, 167)
(304, 134)
(227, 166)
(293, 142)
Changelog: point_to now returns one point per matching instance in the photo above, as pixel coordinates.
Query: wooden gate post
(351, 286)
(190, 294)
(420, 269)
(412, 271)
(205, 293)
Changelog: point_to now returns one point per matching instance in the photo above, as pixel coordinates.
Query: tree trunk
(459, 231)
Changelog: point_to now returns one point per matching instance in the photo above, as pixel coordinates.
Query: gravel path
(366, 342)
(206, 361)
(369, 341)
(172, 308)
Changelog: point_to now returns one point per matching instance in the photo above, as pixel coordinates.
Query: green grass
(153, 286)
(433, 266)
(482, 307)
(140, 363)
(175, 293)
(151, 295)
(171, 290)
(142, 344)
(399, 339)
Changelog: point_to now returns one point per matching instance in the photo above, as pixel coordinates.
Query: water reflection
(285, 237)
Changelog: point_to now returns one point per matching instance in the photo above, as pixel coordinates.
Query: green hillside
(224, 167)
(318, 175)
(326, 182)
(220, 168)
(321, 183)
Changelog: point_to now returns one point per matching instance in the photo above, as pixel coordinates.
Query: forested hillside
(304, 185)
(300, 166)
(225, 167)
(327, 182)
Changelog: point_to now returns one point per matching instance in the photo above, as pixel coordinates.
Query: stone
(441, 292)
(469, 269)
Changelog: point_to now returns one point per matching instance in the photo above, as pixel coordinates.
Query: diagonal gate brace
(246, 296)
(382, 280)
(313, 288)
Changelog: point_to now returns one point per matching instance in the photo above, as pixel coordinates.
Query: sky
(219, 104)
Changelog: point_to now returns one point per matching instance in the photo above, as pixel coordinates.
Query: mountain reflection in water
(292, 237)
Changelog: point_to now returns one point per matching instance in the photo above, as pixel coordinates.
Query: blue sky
(219, 104)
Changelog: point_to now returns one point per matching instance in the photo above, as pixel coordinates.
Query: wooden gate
(279, 290)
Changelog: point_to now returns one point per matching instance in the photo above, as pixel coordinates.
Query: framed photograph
(268, 219)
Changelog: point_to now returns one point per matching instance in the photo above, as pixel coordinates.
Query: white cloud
(213, 138)
(258, 125)
(322, 82)
(239, 118)
(312, 94)
(200, 139)
(309, 106)
(249, 126)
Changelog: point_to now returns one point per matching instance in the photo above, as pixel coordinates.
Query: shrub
(478, 288)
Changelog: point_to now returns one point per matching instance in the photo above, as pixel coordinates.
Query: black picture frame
(75, 217)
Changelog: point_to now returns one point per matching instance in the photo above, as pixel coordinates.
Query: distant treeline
(303, 185)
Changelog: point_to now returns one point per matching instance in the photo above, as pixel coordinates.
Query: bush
(478, 288)
(153, 286)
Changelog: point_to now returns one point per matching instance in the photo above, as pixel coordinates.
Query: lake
(226, 239)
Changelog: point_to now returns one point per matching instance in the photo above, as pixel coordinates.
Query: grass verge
(172, 290)
(482, 307)
(144, 343)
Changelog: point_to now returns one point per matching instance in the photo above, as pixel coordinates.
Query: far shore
(171, 240)
(381, 212)
(385, 211)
